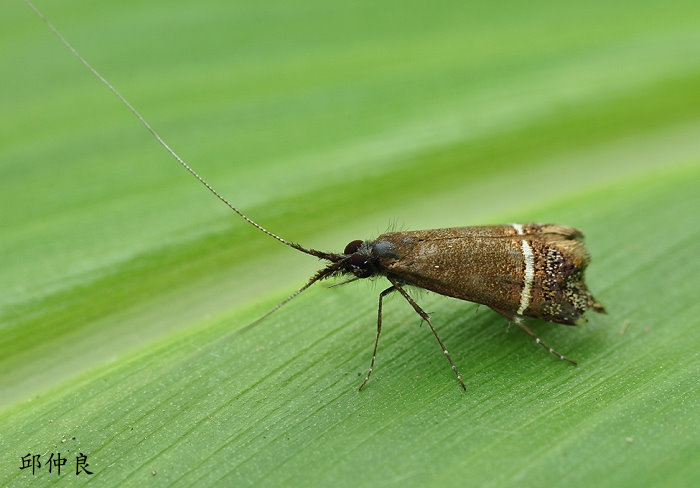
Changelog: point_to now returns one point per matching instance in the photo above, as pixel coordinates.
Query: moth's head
(358, 259)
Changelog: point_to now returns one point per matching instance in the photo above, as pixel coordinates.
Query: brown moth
(518, 270)
(532, 270)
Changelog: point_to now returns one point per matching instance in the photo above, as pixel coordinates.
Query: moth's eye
(358, 260)
(352, 247)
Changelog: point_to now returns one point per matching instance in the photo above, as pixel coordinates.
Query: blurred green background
(123, 282)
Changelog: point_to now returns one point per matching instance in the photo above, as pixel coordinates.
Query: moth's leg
(425, 317)
(519, 322)
(379, 330)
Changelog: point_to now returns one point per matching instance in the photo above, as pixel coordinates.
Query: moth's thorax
(381, 249)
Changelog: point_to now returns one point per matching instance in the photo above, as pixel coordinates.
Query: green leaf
(126, 287)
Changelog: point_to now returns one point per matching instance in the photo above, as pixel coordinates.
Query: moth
(518, 270)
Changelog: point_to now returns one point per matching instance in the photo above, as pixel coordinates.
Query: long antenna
(160, 140)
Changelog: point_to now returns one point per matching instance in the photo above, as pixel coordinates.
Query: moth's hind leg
(519, 322)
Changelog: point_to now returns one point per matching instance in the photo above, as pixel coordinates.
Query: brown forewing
(479, 264)
(486, 265)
